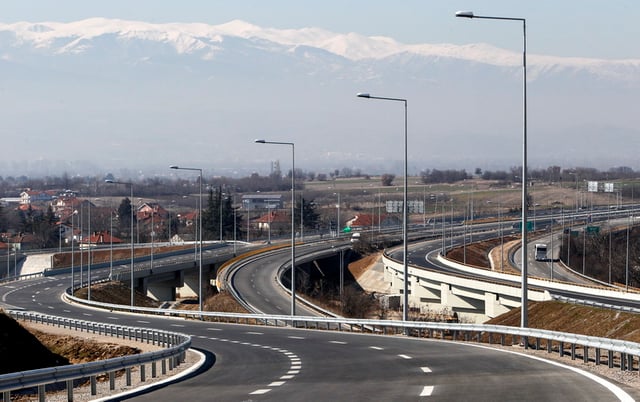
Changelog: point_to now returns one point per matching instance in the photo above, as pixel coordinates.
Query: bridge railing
(620, 354)
(173, 348)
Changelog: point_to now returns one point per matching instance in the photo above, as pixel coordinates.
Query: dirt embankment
(98, 256)
(24, 348)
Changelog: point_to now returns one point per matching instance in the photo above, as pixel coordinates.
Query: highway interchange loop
(251, 363)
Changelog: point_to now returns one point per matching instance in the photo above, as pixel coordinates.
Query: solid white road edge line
(617, 391)
(179, 375)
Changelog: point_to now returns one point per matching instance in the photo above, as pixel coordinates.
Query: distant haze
(132, 98)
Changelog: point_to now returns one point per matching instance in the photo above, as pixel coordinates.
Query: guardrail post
(128, 376)
(573, 351)
(610, 358)
(561, 349)
(171, 363)
(112, 380)
(143, 376)
(41, 393)
(154, 374)
(597, 356)
(6, 396)
(623, 362)
(538, 343)
(629, 362)
(586, 353)
(69, 391)
(549, 346)
(93, 385)
(163, 367)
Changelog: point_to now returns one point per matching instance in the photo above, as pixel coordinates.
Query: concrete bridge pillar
(190, 284)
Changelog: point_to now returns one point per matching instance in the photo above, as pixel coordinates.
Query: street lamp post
(405, 307)
(293, 216)
(111, 245)
(200, 295)
(89, 253)
(470, 14)
(75, 212)
(338, 221)
(130, 184)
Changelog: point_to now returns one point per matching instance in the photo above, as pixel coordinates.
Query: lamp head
(363, 95)
(173, 167)
(464, 14)
(108, 181)
(259, 141)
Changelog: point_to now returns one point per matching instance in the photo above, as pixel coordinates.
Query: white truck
(541, 252)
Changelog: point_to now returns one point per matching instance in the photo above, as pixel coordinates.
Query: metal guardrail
(21, 277)
(608, 306)
(587, 347)
(174, 350)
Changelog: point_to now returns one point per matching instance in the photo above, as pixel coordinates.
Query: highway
(287, 364)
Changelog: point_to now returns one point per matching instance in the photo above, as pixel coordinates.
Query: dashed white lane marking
(67, 311)
(87, 314)
(143, 322)
(425, 369)
(294, 369)
(113, 318)
(338, 342)
(50, 308)
(214, 329)
(427, 391)
(376, 348)
(254, 333)
(296, 337)
(405, 357)
(177, 325)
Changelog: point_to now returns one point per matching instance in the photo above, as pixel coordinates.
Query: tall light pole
(8, 256)
(130, 184)
(405, 307)
(111, 244)
(338, 221)
(75, 212)
(469, 14)
(293, 218)
(200, 295)
(89, 253)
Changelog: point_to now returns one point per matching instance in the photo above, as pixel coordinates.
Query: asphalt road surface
(252, 363)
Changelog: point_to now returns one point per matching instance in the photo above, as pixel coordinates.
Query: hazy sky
(584, 28)
(566, 115)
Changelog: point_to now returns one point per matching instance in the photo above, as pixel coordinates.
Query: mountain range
(103, 95)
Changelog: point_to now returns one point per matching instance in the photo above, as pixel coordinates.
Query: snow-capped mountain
(197, 92)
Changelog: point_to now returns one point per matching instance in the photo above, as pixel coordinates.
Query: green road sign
(593, 229)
